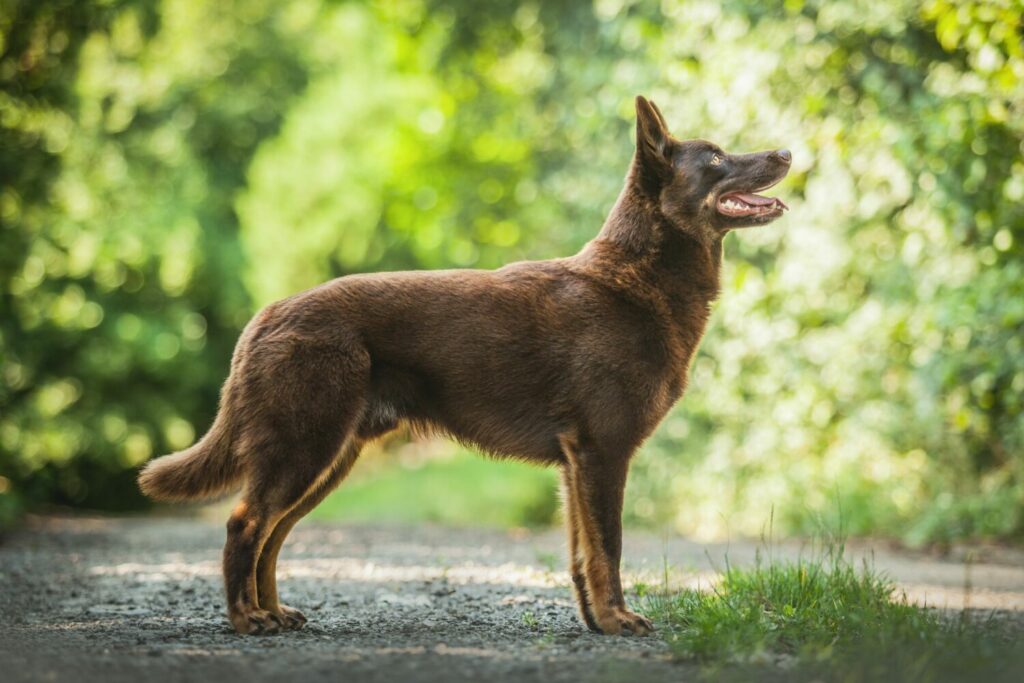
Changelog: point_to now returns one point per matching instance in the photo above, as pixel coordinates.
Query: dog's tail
(207, 469)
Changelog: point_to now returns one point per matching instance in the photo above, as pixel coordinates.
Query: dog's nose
(784, 155)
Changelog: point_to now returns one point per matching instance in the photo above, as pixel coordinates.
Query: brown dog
(570, 362)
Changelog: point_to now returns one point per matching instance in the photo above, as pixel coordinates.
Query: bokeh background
(169, 166)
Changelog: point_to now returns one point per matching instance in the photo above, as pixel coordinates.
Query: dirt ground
(91, 599)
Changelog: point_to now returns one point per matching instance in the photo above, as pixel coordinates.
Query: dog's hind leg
(266, 570)
(280, 499)
(248, 527)
(303, 402)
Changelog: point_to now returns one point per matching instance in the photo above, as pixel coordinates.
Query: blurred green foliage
(167, 167)
(454, 487)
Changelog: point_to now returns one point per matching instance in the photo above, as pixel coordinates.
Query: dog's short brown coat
(569, 362)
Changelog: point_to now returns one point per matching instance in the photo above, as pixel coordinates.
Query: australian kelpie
(570, 362)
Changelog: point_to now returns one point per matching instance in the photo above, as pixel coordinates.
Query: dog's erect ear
(652, 166)
(661, 117)
(651, 132)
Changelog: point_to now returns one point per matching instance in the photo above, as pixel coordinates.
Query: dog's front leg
(594, 485)
(576, 556)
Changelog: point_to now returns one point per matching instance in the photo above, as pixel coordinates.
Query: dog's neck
(637, 235)
(659, 267)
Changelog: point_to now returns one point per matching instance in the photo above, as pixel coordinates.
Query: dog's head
(700, 187)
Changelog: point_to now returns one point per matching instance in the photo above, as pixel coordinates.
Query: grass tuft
(825, 619)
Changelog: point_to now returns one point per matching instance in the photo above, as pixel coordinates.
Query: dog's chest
(670, 372)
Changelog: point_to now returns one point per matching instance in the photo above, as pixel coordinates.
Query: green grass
(824, 619)
(462, 490)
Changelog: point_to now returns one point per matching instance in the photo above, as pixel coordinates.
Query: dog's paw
(622, 622)
(257, 622)
(292, 618)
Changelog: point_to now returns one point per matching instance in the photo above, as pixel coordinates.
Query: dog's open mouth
(749, 204)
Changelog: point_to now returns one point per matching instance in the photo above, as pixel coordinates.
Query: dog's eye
(716, 160)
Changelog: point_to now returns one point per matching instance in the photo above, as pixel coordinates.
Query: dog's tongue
(754, 199)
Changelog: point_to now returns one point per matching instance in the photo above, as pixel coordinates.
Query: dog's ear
(652, 140)
(651, 132)
(661, 117)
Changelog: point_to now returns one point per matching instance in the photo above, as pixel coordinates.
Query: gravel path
(132, 599)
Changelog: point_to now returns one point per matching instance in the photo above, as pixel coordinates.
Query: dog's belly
(502, 417)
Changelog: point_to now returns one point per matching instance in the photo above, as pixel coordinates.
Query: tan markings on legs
(576, 557)
(266, 570)
(248, 529)
(597, 485)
